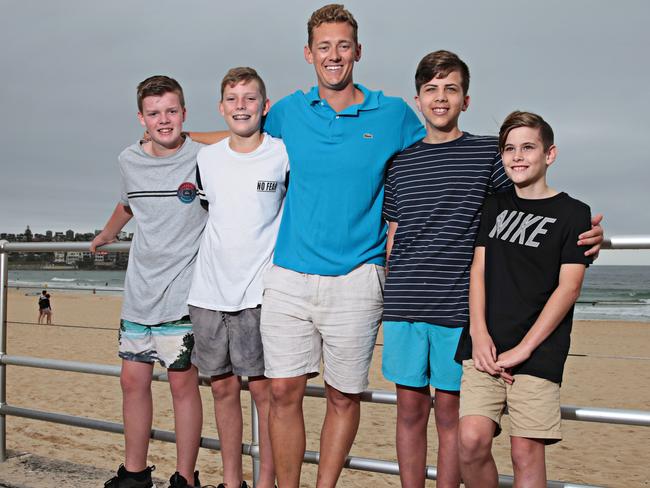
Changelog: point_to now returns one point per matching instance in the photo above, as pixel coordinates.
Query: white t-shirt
(245, 193)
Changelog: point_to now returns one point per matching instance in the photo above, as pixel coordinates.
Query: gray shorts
(227, 342)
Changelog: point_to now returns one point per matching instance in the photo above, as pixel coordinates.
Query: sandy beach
(611, 368)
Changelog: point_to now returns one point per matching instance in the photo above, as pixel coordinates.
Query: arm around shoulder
(209, 137)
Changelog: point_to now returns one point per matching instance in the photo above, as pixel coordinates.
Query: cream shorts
(307, 317)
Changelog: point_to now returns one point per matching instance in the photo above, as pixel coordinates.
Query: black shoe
(243, 485)
(126, 479)
(178, 481)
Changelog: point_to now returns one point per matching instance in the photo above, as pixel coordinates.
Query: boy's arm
(593, 237)
(557, 306)
(484, 353)
(121, 215)
(209, 137)
(390, 238)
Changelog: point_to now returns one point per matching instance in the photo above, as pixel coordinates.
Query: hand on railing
(101, 240)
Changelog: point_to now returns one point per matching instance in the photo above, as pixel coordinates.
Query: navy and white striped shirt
(435, 193)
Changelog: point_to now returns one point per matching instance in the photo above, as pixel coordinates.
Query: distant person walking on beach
(158, 180)
(45, 307)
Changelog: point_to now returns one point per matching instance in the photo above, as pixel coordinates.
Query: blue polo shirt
(332, 220)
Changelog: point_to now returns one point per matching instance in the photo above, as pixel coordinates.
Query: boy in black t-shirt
(525, 278)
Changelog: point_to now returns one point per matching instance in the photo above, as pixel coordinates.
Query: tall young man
(324, 295)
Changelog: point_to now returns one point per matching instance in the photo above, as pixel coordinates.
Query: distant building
(59, 257)
(73, 257)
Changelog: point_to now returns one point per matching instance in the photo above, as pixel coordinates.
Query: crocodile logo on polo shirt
(368, 135)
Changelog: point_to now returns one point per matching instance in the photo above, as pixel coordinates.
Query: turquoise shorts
(418, 354)
(169, 343)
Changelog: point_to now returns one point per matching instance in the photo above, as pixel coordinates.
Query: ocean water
(608, 293)
(615, 293)
(68, 279)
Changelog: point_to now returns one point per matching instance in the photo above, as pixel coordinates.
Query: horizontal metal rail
(6, 246)
(569, 412)
(311, 457)
(613, 242)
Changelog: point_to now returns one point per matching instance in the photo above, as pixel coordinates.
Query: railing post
(4, 277)
(255, 441)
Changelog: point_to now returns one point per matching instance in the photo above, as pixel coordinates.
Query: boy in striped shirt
(433, 197)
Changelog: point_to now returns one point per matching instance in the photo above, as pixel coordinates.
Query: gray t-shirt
(162, 195)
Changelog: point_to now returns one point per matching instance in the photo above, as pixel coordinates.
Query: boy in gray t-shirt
(158, 180)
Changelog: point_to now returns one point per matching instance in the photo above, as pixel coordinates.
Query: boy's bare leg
(226, 391)
(446, 413)
(477, 465)
(260, 388)
(188, 418)
(337, 435)
(40, 316)
(49, 318)
(413, 410)
(287, 428)
(528, 462)
(137, 410)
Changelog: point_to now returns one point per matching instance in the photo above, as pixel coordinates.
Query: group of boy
(322, 294)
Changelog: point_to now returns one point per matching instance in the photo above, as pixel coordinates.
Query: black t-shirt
(526, 242)
(43, 302)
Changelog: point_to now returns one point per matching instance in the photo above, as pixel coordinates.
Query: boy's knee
(446, 417)
(135, 380)
(473, 444)
(260, 391)
(226, 387)
(412, 417)
(526, 452)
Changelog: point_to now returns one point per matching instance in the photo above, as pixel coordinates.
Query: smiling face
(524, 158)
(163, 117)
(243, 107)
(333, 52)
(441, 101)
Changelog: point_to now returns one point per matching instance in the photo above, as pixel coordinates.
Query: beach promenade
(610, 368)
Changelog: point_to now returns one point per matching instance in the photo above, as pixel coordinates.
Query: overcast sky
(70, 69)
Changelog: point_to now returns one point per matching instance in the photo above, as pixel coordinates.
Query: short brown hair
(439, 64)
(526, 119)
(157, 86)
(245, 75)
(334, 12)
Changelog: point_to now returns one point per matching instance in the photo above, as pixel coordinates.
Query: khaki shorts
(533, 403)
(307, 316)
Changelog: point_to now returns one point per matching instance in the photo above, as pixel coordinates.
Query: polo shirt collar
(370, 100)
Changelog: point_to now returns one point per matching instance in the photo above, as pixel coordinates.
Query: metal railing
(569, 412)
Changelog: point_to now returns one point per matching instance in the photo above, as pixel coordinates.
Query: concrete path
(23, 470)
